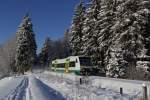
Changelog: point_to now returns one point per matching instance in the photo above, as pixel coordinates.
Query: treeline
(54, 49)
(114, 33)
(7, 57)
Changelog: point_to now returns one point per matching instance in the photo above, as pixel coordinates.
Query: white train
(74, 64)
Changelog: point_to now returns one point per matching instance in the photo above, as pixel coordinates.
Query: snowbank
(131, 87)
(72, 90)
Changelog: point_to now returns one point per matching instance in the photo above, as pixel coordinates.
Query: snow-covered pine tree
(106, 19)
(66, 44)
(33, 47)
(90, 30)
(116, 66)
(76, 30)
(129, 29)
(146, 35)
(44, 56)
(108, 39)
(89, 24)
(26, 46)
(133, 37)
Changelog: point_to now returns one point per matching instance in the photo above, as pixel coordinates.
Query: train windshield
(85, 61)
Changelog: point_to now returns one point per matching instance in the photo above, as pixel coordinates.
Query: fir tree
(66, 44)
(108, 39)
(135, 25)
(90, 38)
(76, 30)
(44, 56)
(145, 13)
(132, 18)
(89, 24)
(26, 46)
(116, 66)
(106, 19)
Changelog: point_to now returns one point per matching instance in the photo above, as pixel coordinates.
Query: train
(79, 65)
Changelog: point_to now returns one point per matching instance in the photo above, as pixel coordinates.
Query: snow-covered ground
(96, 88)
(27, 87)
(55, 86)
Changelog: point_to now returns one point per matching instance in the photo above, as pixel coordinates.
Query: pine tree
(132, 18)
(33, 47)
(76, 30)
(145, 12)
(111, 52)
(89, 24)
(106, 20)
(116, 66)
(44, 56)
(26, 46)
(90, 38)
(134, 36)
(66, 44)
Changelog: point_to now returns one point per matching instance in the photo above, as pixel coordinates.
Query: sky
(49, 17)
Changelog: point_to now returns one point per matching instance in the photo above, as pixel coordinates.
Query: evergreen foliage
(114, 33)
(76, 30)
(44, 56)
(66, 44)
(26, 46)
(131, 20)
(91, 34)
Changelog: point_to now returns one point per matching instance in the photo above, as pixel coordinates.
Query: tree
(58, 52)
(92, 27)
(89, 37)
(107, 38)
(76, 30)
(134, 36)
(45, 54)
(7, 57)
(117, 66)
(9, 51)
(132, 20)
(115, 33)
(26, 46)
(3, 64)
(66, 44)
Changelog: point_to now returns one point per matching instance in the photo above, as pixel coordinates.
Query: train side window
(54, 65)
(62, 65)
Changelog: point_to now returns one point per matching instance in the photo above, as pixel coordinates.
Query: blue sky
(49, 17)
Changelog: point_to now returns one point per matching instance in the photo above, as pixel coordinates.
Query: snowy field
(55, 86)
(96, 88)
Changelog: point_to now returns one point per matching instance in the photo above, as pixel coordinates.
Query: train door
(67, 66)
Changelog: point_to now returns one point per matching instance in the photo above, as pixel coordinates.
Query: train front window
(85, 61)
(72, 64)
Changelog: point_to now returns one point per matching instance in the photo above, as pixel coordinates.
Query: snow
(12, 88)
(57, 86)
(26, 88)
(98, 88)
(41, 91)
